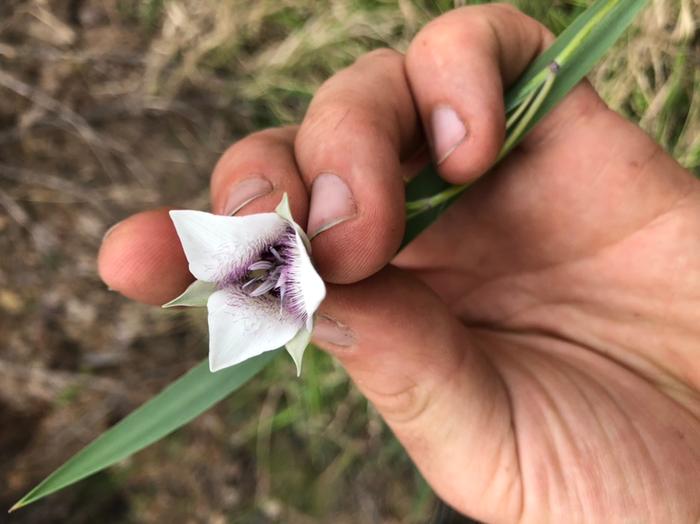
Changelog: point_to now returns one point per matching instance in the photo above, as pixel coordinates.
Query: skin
(536, 350)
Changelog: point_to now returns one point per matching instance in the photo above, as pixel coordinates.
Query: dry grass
(111, 107)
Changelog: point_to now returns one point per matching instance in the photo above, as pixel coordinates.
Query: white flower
(256, 278)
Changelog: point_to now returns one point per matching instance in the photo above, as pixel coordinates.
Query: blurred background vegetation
(107, 108)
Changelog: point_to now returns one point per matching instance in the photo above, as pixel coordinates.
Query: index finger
(360, 131)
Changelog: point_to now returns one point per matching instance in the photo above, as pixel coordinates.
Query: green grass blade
(576, 50)
(610, 18)
(175, 406)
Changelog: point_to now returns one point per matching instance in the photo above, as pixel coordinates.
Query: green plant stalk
(579, 46)
(563, 57)
(519, 131)
(575, 43)
(515, 115)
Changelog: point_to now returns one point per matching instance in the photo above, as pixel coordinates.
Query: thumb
(438, 392)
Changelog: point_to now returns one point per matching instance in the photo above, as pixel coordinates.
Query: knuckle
(382, 54)
(506, 7)
(250, 154)
(263, 139)
(404, 406)
(382, 66)
(344, 120)
(462, 28)
(429, 44)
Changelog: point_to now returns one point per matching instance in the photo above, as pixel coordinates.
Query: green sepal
(196, 295)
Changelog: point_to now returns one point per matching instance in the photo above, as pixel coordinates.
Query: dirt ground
(108, 108)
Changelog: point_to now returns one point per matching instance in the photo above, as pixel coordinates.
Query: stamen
(266, 275)
(276, 255)
(260, 264)
(263, 288)
(250, 282)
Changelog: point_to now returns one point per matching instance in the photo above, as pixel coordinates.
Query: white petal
(285, 212)
(297, 345)
(216, 246)
(241, 327)
(306, 290)
(196, 295)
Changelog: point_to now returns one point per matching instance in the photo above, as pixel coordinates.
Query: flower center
(266, 275)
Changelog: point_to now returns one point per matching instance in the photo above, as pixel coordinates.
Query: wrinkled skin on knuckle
(368, 104)
(260, 140)
(440, 38)
(403, 405)
(391, 57)
(348, 124)
(265, 137)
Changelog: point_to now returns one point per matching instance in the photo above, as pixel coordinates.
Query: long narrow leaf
(616, 16)
(584, 42)
(175, 406)
(611, 18)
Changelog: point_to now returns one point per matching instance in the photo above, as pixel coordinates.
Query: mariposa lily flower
(255, 275)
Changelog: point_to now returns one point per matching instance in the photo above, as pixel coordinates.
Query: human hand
(535, 349)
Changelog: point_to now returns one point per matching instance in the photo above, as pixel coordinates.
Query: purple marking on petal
(294, 299)
(268, 274)
(233, 275)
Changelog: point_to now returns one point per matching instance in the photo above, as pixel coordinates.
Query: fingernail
(110, 230)
(448, 132)
(331, 203)
(333, 332)
(244, 192)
